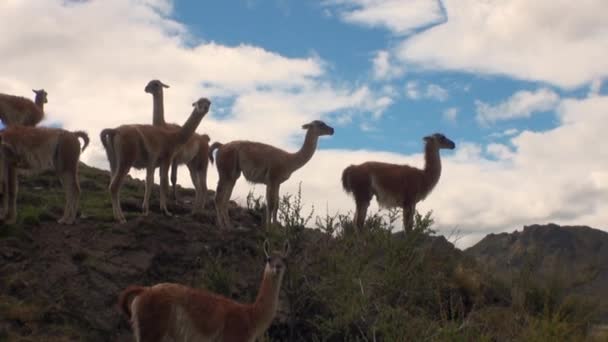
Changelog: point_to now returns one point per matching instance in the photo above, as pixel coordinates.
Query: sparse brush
(255, 203)
(214, 276)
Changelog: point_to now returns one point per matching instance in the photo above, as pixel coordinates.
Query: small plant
(334, 225)
(255, 203)
(424, 223)
(215, 277)
(291, 210)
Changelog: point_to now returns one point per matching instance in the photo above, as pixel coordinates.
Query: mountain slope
(576, 257)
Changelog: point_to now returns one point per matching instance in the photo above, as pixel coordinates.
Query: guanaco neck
(188, 129)
(306, 151)
(432, 165)
(40, 103)
(158, 108)
(265, 306)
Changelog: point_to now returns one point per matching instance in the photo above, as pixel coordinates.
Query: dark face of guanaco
(441, 140)
(276, 261)
(202, 104)
(40, 96)
(319, 127)
(155, 87)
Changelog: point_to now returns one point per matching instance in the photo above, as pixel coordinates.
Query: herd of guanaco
(172, 312)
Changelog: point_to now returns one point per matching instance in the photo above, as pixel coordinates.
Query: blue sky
(311, 28)
(518, 84)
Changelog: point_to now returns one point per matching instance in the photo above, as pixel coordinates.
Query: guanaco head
(276, 261)
(155, 87)
(202, 104)
(440, 141)
(319, 128)
(40, 96)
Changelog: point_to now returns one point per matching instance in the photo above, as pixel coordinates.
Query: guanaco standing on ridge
(193, 153)
(39, 149)
(395, 185)
(149, 147)
(17, 110)
(260, 163)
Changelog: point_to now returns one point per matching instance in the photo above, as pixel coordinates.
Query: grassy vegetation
(41, 198)
(376, 285)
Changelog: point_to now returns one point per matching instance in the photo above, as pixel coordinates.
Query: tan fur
(193, 153)
(395, 185)
(260, 163)
(155, 88)
(173, 312)
(39, 149)
(149, 147)
(17, 110)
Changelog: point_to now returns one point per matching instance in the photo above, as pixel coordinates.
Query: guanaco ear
(427, 138)
(266, 248)
(286, 248)
(307, 126)
(162, 84)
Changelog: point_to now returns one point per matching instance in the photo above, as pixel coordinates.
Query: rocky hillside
(60, 283)
(573, 257)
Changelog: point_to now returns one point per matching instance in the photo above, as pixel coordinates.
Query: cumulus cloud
(556, 41)
(400, 16)
(522, 104)
(384, 68)
(450, 114)
(595, 87)
(505, 133)
(436, 92)
(414, 91)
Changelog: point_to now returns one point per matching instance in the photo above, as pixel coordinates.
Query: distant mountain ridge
(576, 255)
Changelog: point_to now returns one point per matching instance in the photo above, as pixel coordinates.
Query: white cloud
(432, 91)
(367, 127)
(521, 104)
(436, 92)
(412, 91)
(510, 131)
(400, 16)
(556, 41)
(506, 133)
(450, 114)
(594, 88)
(499, 151)
(384, 68)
